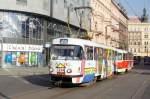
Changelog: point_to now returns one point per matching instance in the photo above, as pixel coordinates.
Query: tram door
(99, 59)
(89, 68)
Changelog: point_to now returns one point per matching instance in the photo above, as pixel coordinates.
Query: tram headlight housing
(51, 69)
(69, 70)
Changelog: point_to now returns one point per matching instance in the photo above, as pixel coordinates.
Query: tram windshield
(66, 52)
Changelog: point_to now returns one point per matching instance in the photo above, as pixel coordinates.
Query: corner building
(27, 28)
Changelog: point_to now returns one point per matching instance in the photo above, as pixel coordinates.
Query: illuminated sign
(22, 47)
(63, 41)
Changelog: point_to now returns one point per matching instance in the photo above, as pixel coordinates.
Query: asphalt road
(133, 85)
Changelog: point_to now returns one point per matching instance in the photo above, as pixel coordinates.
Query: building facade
(28, 26)
(109, 23)
(139, 38)
(100, 20)
(119, 25)
(115, 16)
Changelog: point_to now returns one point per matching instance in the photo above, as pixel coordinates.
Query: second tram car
(81, 61)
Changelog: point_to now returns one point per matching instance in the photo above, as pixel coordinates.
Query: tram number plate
(61, 71)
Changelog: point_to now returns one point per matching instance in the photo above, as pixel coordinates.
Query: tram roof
(121, 51)
(77, 41)
(82, 42)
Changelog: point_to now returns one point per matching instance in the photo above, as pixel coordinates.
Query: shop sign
(22, 47)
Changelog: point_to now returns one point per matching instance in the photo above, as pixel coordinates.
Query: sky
(135, 7)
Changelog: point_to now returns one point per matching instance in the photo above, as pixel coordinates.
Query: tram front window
(67, 52)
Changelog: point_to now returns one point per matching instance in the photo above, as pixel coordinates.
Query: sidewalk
(24, 71)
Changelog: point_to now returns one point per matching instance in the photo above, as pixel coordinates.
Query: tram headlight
(51, 69)
(69, 71)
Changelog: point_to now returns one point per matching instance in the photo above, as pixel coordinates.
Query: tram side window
(78, 52)
(124, 56)
(109, 52)
(96, 53)
(89, 53)
(119, 56)
(114, 55)
(104, 54)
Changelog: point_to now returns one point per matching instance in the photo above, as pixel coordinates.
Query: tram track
(63, 93)
(53, 93)
(99, 90)
(140, 90)
(108, 87)
(68, 92)
(135, 94)
(103, 88)
(19, 95)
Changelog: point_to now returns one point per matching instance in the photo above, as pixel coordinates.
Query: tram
(80, 61)
(124, 61)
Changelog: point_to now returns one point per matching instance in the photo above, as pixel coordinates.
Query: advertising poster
(17, 62)
(0, 58)
(40, 59)
(14, 58)
(26, 59)
(32, 59)
(8, 58)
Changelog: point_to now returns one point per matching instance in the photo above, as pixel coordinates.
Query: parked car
(137, 60)
(146, 60)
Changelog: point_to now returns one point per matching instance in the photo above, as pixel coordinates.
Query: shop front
(21, 55)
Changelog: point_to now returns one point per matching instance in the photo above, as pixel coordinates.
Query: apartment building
(139, 38)
(109, 23)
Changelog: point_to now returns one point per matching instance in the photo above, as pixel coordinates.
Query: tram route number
(61, 71)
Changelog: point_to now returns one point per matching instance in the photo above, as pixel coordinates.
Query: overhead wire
(68, 20)
(79, 19)
(131, 7)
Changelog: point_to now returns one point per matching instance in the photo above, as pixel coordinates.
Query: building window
(134, 29)
(146, 36)
(146, 29)
(65, 4)
(146, 49)
(145, 43)
(21, 2)
(134, 43)
(139, 50)
(130, 50)
(88, 3)
(130, 43)
(46, 5)
(135, 50)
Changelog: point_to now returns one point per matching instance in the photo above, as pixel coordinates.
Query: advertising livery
(81, 61)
